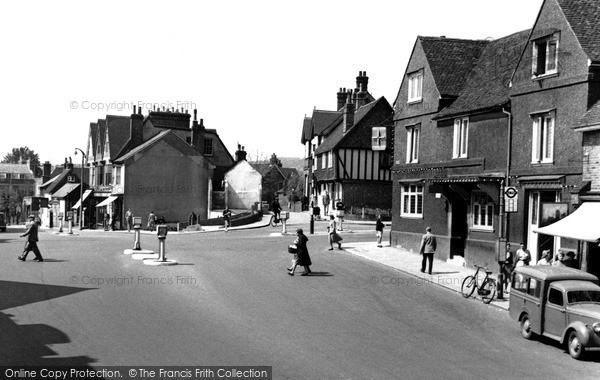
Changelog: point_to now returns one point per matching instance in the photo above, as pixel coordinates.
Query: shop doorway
(536, 243)
(458, 227)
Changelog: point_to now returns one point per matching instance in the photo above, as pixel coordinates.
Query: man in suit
(32, 239)
(428, 247)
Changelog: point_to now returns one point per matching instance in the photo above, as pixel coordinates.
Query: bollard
(60, 229)
(161, 248)
(137, 226)
(312, 224)
(70, 227)
(500, 286)
(283, 228)
(162, 231)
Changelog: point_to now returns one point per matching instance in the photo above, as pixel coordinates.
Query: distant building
(16, 181)
(243, 184)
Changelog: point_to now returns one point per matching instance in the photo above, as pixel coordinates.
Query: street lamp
(83, 157)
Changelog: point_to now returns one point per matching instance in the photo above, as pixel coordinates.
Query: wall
(244, 186)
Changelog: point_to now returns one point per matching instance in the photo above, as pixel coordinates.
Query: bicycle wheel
(272, 221)
(468, 286)
(488, 290)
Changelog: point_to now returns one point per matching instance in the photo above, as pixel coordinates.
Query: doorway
(458, 226)
(538, 242)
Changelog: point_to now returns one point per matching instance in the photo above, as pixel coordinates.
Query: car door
(555, 316)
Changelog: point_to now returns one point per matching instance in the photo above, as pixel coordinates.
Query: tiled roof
(451, 61)
(15, 169)
(323, 119)
(94, 133)
(306, 130)
(592, 116)
(118, 133)
(487, 86)
(101, 137)
(584, 18)
(65, 190)
(262, 168)
(167, 135)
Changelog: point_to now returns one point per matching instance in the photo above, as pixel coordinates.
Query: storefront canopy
(582, 224)
(85, 195)
(107, 201)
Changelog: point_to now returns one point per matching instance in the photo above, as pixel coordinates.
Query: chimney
(136, 128)
(69, 164)
(46, 171)
(195, 132)
(348, 113)
(240, 154)
(65, 163)
(361, 97)
(341, 98)
(362, 79)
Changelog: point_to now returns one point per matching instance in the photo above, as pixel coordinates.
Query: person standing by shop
(523, 256)
(428, 247)
(129, 219)
(32, 239)
(326, 201)
(379, 230)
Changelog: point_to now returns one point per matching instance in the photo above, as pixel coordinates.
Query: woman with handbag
(301, 256)
(334, 237)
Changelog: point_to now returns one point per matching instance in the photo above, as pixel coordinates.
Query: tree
(17, 155)
(295, 187)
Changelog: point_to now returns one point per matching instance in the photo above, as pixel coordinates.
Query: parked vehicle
(2, 222)
(557, 302)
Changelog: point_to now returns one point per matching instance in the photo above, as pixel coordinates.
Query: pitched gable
(584, 18)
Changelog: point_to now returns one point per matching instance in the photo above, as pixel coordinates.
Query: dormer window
(415, 86)
(461, 138)
(545, 56)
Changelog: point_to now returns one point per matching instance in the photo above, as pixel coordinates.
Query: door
(555, 317)
(536, 242)
(458, 227)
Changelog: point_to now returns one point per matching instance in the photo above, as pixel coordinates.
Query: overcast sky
(253, 69)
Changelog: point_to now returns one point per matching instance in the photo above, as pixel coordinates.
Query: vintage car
(557, 302)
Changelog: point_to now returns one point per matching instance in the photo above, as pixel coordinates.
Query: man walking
(32, 239)
(428, 246)
(326, 200)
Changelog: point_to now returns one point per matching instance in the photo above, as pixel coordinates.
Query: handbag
(292, 248)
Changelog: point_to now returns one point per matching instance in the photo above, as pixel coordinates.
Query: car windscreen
(579, 296)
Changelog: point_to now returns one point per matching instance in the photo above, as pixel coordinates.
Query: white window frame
(460, 145)
(379, 138)
(323, 157)
(542, 140)
(482, 211)
(413, 133)
(411, 197)
(330, 159)
(415, 86)
(550, 63)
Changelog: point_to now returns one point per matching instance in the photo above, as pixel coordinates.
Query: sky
(252, 69)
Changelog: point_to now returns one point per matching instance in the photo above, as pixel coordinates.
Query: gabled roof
(101, 137)
(323, 119)
(94, 133)
(59, 181)
(118, 133)
(591, 117)
(335, 133)
(450, 61)
(15, 169)
(306, 130)
(584, 18)
(65, 190)
(168, 135)
(487, 85)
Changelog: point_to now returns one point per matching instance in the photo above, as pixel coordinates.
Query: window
(93, 175)
(415, 86)
(385, 160)
(534, 288)
(109, 178)
(461, 138)
(412, 201)
(330, 159)
(100, 175)
(22, 176)
(412, 144)
(118, 175)
(323, 159)
(545, 56)
(314, 162)
(8, 175)
(542, 142)
(379, 138)
(483, 211)
(520, 282)
(208, 147)
(555, 297)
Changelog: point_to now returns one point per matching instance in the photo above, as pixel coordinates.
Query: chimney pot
(195, 113)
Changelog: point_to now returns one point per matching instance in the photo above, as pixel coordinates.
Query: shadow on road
(28, 344)
(320, 274)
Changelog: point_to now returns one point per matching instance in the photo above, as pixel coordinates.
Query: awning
(65, 190)
(85, 195)
(107, 201)
(582, 224)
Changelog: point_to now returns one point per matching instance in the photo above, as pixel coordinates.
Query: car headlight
(596, 327)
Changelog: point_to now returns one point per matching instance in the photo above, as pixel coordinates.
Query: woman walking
(302, 257)
(334, 237)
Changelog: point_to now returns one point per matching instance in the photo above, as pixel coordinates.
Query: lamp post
(83, 156)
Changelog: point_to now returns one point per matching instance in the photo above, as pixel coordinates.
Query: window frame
(379, 138)
(460, 139)
(546, 42)
(208, 148)
(413, 135)
(409, 193)
(330, 159)
(542, 140)
(485, 210)
(415, 86)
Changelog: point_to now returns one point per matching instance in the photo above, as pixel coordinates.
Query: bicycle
(274, 220)
(486, 288)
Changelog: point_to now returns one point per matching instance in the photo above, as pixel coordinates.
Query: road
(230, 302)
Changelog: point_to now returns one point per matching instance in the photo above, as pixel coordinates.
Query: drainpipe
(503, 216)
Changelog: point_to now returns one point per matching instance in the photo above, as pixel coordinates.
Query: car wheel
(576, 348)
(526, 327)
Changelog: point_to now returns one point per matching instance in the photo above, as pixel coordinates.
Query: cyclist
(276, 208)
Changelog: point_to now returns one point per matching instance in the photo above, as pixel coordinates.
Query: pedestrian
(129, 219)
(151, 221)
(334, 237)
(558, 260)
(302, 257)
(193, 218)
(106, 221)
(523, 256)
(428, 247)
(32, 239)
(326, 201)
(507, 266)
(379, 230)
(570, 260)
(546, 258)
(227, 218)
